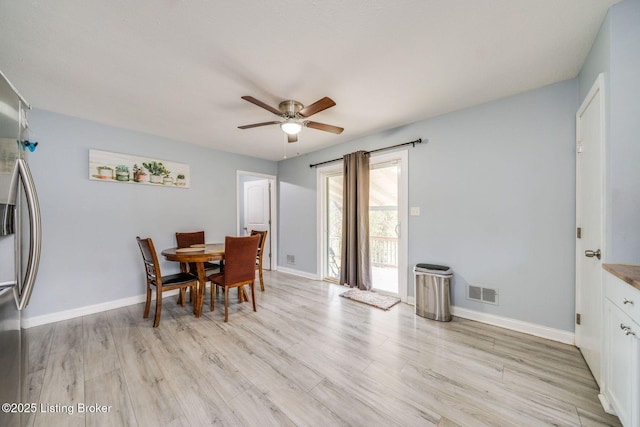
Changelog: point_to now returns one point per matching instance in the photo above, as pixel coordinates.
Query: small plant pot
(167, 180)
(122, 176)
(141, 177)
(105, 173)
(155, 179)
(181, 182)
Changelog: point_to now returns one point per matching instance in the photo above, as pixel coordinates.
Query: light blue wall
(616, 53)
(598, 60)
(89, 252)
(297, 212)
(496, 188)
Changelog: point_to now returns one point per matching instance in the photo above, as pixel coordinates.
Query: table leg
(199, 299)
(182, 270)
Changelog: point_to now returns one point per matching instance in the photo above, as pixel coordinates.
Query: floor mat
(375, 299)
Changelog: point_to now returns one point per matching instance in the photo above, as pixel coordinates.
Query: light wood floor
(306, 358)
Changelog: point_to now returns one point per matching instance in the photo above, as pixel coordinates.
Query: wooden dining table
(198, 255)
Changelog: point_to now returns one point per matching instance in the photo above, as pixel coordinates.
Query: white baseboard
(30, 322)
(298, 273)
(516, 325)
(606, 405)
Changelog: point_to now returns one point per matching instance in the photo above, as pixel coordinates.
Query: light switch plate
(415, 211)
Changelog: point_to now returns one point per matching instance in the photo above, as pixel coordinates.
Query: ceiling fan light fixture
(293, 116)
(291, 127)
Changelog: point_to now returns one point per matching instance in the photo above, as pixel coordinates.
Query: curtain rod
(413, 143)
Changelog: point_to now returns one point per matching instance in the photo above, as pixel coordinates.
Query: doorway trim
(273, 207)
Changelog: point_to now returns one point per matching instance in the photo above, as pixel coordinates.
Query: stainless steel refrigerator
(20, 235)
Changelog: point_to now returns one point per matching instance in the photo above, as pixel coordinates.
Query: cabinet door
(622, 370)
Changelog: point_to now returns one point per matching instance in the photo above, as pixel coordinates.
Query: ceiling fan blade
(292, 138)
(322, 126)
(255, 125)
(259, 103)
(316, 107)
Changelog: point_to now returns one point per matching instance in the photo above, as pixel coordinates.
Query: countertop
(628, 273)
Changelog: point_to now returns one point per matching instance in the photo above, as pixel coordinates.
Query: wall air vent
(480, 294)
(475, 292)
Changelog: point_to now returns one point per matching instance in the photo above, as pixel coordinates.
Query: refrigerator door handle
(7, 285)
(35, 233)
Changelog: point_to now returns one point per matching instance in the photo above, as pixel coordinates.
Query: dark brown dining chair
(263, 238)
(239, 269)
(186, 240)
(154, 278)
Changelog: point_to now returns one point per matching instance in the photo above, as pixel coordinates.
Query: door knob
(591, 254)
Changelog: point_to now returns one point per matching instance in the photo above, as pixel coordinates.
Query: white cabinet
(621, 385)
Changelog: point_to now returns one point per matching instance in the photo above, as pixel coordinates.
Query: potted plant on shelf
(139, 175)
(180, 180)
(157, 170)
(122, 173)
(105, 172)
(167, 180)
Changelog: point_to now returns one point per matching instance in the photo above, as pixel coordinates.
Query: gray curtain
(355, 269)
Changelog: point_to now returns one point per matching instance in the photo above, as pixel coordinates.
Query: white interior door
(590, 232)
(257, 213)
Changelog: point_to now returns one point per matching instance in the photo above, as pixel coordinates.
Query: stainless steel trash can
(432, 291)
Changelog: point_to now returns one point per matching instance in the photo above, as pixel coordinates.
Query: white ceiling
(177, 68)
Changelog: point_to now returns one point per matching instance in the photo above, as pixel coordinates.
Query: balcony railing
(383, 252)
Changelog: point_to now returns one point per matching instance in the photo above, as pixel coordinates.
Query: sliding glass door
(387, 214)
(333, 226)
(384, 225)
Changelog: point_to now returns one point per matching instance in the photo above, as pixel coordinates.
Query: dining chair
(263, 238)
(239, 269)
(154, 278)
(186, 240)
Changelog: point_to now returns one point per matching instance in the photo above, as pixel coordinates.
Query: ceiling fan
(293, 115)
